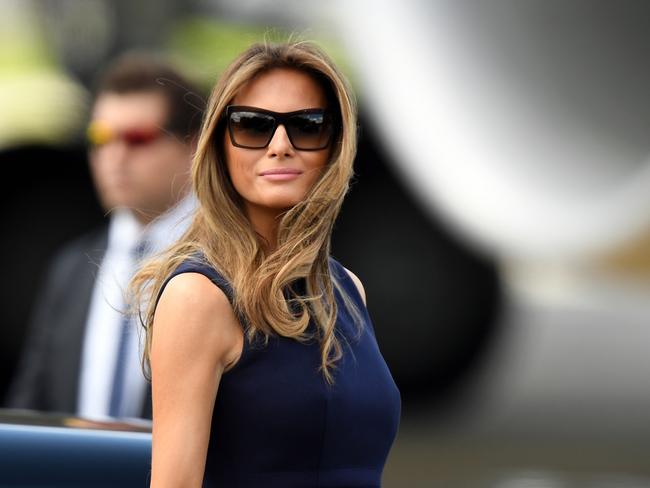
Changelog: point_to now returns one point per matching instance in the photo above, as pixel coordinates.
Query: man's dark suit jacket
(47, 377)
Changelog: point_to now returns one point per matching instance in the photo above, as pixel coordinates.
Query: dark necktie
(117, 392)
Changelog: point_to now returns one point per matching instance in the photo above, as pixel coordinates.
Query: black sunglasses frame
(279, 118)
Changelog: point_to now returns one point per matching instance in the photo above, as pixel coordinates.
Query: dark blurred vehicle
(43, 450)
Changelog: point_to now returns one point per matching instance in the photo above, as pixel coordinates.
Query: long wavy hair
(223, 236)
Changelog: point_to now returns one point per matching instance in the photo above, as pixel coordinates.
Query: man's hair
(142, 73)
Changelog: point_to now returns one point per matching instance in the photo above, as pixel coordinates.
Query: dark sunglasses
(253, 128)
(99, 134)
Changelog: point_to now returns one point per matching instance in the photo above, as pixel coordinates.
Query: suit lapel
(71, 323)
(77, 283)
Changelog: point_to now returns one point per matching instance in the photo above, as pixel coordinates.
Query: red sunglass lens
(140, 137)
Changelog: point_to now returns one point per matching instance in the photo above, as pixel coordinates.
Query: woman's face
(278, 90)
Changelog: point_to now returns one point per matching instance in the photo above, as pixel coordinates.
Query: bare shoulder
(358, 284)
(195, 292)
(196, 315)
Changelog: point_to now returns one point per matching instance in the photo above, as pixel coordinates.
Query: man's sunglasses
(253, 128)
(99, 134)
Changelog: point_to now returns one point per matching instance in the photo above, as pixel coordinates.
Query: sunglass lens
(309, 131)
(140, 137)
(98, 133)
(250, 129)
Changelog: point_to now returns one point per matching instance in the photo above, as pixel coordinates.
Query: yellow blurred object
(99, 133)
(40, 103)
(40, 106)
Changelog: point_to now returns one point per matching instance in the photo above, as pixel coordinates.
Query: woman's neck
(265, 222)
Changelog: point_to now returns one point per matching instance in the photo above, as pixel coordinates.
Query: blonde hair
(223, 235)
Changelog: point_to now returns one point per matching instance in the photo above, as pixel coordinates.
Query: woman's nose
(280, 145)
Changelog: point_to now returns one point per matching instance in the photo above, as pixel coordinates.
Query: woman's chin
(283, 202)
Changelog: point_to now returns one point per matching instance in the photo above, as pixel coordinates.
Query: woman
(264, 365)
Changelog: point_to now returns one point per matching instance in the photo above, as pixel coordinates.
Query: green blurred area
(43, 103)
(203, 48)
(39, 102)
(23, 46)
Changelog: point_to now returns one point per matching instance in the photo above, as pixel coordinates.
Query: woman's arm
(196, 337)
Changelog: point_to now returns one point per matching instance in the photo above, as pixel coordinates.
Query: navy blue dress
(277, 423)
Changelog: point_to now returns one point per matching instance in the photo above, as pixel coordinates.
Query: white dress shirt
(105, 316)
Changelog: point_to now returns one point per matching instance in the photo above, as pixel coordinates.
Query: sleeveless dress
(276, 421)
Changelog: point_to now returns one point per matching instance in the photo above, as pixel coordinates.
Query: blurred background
(499, 219)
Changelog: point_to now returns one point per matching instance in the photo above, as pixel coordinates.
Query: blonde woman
(264, 365)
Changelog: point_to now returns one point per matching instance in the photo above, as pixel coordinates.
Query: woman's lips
(281, 174)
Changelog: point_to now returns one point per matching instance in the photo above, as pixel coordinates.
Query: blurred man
(82, 354)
